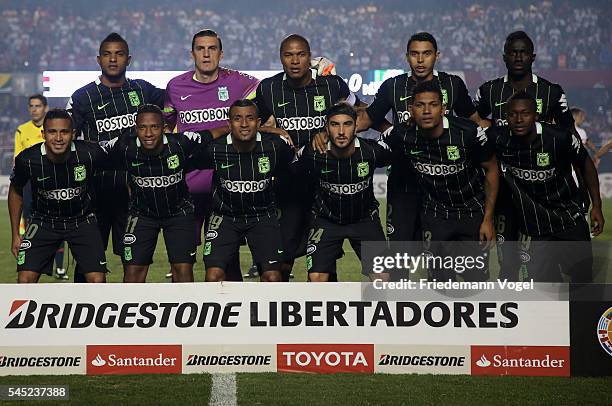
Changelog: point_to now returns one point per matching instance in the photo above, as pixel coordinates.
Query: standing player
(449, 155)
(536, 160)
(395, 94)
(490, 100)
(200, 100)
(59, 171)
(159, 199)
(29, 134)
(345, 206)
(243, 200)
(298, 100)
(103, 110)
(579, 116)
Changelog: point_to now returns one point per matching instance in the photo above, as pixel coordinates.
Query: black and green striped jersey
(242, 181)
(101, 113)
(539, 175)
(395, 94)
(551, 102)
(157, 182)
(448, 167)
(343, 191)
(300, 111)
(61, 192)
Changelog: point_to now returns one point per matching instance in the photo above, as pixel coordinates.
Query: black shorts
(325, 240)
(454, 238)
(224, 235)
(507, 234)
(111, 206)
(41, 241)
(294, 198)
(140, 239)
(403, 218)
(570, 252)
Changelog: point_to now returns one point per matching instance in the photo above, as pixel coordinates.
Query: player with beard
(395, 95)
(449, 155)
(536, 160)
(200, 100)
(59, 170)
(344, 206)
(551, 106)
(244, 204)
(103, 110)
(298, 100)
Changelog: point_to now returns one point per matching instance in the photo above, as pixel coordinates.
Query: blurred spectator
(36, 36)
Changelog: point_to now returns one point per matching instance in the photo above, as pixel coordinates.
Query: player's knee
(271, 276)
(134, 273)
(95, 277)
(182, 272)
(318, 277)
(215, 275)
(27, 277)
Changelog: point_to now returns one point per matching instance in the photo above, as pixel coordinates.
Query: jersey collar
(98, 81)
(313, 73)
(43, 150)
(534, 78)
(138, 144)
(357, 145)
(435, 73)
(229, 138)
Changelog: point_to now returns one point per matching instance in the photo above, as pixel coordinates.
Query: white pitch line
(223, 390)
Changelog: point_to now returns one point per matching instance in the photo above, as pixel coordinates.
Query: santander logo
(134, 359)
(483, 362)
(98, 361)
(521, 361)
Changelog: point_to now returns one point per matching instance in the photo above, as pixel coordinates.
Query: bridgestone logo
(198, 360)
(532, 175)
(62, 194)
(439, 169)
(116, 123)
(245, 186)
(421, 360)
(158, 181)
(204, 115)
(14, 362)
(125, 316)
(301, 123)
(346, 189)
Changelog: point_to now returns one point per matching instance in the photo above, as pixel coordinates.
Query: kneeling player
(536, 160)
(345, 206)
(243, 200)
(159, 199)
(449, 156)
(59, 170)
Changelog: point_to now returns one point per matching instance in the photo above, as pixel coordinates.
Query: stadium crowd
(36, 36)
